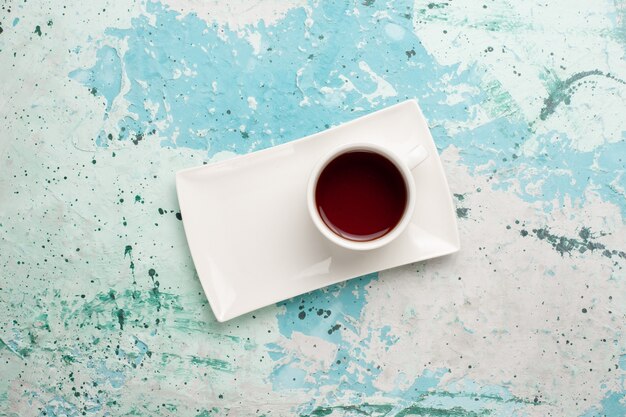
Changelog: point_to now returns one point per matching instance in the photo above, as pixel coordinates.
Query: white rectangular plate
(251, 237)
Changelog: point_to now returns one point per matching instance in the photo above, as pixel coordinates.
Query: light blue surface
(104, 314)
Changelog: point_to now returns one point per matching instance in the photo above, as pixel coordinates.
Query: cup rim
(353, 244)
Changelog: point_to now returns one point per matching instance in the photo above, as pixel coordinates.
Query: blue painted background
(103, 313)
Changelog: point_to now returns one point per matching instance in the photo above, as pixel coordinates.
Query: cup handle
(416, 156)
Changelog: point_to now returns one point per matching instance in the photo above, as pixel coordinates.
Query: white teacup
(404, 164)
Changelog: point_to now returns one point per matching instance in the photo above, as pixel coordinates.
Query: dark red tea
(361, 195)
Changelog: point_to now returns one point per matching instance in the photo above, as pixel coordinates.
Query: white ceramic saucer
(251, 237)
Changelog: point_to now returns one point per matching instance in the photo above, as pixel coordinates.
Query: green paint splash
(561, 91)
(462, 212)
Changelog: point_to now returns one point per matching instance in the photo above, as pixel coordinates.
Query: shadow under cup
(361, 195)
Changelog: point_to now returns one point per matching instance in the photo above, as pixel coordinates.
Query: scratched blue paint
(387, 337)
(325, 310)
(614, 403)
(213, 120)
(175, 60)
(105, 77)
(222, 120)
(105, 375)
(59, 407)
(288, 377)
(346, 302)
(499, 142)
(142, 349)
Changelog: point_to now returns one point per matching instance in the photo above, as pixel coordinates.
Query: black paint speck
(179, 216)
(584, 310)
(38, 30)
(301, 315)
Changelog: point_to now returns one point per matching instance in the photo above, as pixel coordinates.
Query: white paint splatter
(252, 103)
(383, 88)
